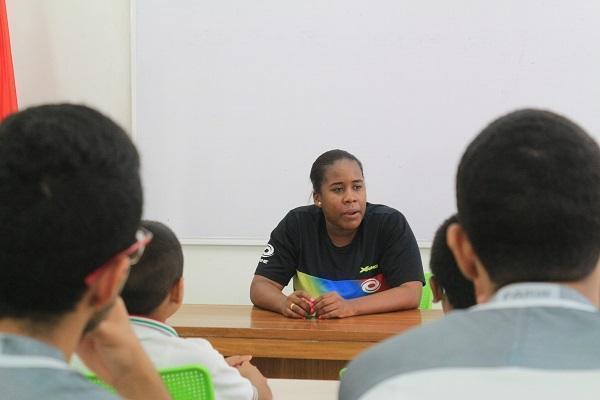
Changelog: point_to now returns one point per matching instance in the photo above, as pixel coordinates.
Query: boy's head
(70, 200)
(528, 196)
(152, 280)
(447, 282)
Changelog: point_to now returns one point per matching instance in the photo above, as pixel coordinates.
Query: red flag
(8, 94)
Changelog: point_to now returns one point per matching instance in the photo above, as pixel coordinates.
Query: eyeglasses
(134, 252)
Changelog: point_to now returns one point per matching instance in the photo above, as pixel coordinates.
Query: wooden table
(290, 348)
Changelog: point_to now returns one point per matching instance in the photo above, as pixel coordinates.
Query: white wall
(79, 51)
(222, 274)
(73, 50)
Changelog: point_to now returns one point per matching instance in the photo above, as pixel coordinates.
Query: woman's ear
(317, 199)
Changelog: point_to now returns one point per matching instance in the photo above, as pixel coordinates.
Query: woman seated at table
(347, 257)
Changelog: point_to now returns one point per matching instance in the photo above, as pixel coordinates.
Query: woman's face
(343, 196)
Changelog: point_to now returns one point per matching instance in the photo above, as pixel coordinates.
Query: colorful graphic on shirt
(348, 289)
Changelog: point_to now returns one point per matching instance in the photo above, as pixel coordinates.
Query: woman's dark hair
(324, 161)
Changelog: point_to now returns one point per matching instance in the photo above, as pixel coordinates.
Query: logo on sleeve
(267, 252)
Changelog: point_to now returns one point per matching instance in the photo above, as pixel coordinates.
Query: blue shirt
(30, 369)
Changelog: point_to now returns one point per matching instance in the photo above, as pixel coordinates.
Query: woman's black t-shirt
(382, 255)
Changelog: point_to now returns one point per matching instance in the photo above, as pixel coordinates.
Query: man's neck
(160, 315)
(588, 287)
(165, 310)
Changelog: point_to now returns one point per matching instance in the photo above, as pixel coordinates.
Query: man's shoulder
(154, 340)
(480, 339)
(52, 377)
(417, 348)
(170, 351)
(82, 389)
(50, 384)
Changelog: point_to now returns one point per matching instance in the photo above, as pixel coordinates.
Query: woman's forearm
(403, 297)
(266, 294)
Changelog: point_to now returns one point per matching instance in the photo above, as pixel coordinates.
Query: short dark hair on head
(151, 279)
(70, 199)
(528, 195)
(458, 289)
(324, 161)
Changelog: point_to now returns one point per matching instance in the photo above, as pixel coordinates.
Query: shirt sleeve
(401, 259)
(227, 381)
(280, 258)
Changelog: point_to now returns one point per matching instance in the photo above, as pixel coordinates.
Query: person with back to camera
(70, 209)
(347, 257)
(447, 283)
(153, 293)
(528, 237)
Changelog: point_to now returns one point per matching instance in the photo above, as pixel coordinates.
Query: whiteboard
(233, 100)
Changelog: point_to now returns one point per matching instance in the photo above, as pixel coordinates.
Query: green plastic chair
(188, 382)
(427, 294)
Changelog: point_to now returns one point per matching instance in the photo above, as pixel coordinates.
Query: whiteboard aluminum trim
(133, 67)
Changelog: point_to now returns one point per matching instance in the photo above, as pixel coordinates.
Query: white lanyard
(521, 295)
(18, 361)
